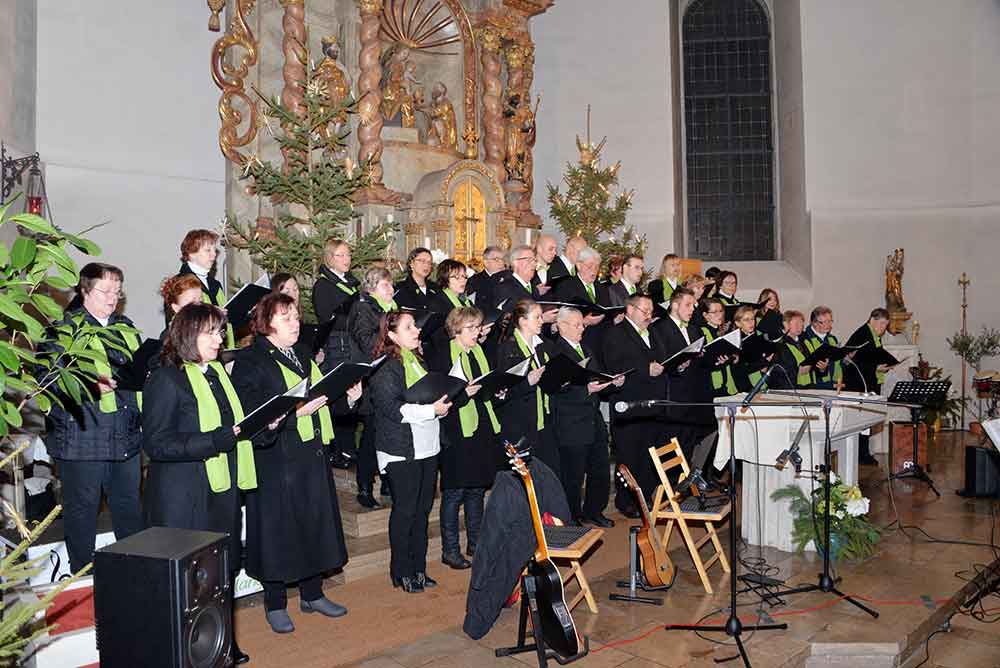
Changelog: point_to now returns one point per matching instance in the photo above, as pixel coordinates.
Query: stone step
(361, 522)
(370, 555)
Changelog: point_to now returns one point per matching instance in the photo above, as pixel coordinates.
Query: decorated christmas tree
(590, 209)
(312, 189)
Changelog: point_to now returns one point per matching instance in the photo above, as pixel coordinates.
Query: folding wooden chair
(666, 505)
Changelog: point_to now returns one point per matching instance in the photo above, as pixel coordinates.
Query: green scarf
(879, 375)
(220, 300)
(541, 399)
(803, 379)
(813, 344)
(346, 288)
(386, 306)
(209, 419)
(468, 415)
(455, 299)
(304, 423)
(413, 370)
(108, 403)
(724, 376)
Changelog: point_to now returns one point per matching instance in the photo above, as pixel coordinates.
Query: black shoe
(425, 580)
(456, 561)
(384, 489)
(599, 520)
(366, 499)
(411, 586)
(631, 513)
(470, 549)
(239, 656)
(337, 461)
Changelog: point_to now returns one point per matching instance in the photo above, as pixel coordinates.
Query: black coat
(572, 291)
(694, 384)
(507, 541)
(293, 519)
(657, 290)
(576, 414)
(483, 286)
(331, 302)
(80, 431)
(213, 291)
(557, 269)
(618, 293)
(177, 493)
(385, 390)
(624, 349)
(519, 413)
(408, 294)
(363, 325)
(787, 376)
(472, 461)
(509, 292)
(862, 375)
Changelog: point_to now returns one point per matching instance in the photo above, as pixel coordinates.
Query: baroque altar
(445, 114)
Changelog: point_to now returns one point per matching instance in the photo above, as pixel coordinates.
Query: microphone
(857, 369)
(758, 387)
(624, 406)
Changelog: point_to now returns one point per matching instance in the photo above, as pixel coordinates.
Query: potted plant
(852, 535)
(972, 349)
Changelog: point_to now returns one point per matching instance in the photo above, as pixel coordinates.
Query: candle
(389, 219)
(527, 237)
(427, 242)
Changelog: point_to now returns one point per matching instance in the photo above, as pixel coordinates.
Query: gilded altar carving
(216, 7)
(229, 77)
(493, 130)
(398, 85)
(335, 80)
(442, 130)
(369, 93)
(293, 71)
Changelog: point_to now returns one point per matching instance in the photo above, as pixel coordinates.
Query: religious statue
(442, 127)
(520, 134)
(398, 75)
(894, 282)
(336, 81)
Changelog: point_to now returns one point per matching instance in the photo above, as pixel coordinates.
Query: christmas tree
(588, 209)
(312, 189)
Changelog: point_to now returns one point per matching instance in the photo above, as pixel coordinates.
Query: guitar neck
(542, 552)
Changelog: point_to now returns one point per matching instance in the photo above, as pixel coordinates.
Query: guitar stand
(529, 605)
(635, 579)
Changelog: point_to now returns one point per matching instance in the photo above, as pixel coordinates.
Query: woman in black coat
(407, 440)
(470, 437)
(198, 466)
(526, 412)
(198, 253)
(294, 533)
(416, 290)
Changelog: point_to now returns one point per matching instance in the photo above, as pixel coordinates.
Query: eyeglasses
(645, 312)
(422, 260)
(719, 312)
(341, 255)
(492, 259)
(118, 294)
(479, 326)
(530, 258)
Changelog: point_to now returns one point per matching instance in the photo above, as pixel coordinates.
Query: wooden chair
(574, 552)
(667, 506)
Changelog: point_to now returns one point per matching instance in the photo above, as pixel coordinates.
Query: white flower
(833, 478)
(438, 256)
(857, 507)
(839, 514)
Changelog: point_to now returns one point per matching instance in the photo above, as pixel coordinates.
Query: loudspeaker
(982, 472)
(163, 599)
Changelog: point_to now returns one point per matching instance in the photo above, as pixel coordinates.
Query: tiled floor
(823, 631)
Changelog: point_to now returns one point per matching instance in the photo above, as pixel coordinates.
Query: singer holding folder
(407, 443)
(527, 413)
(470, 436)
(294, 532)
(198, 464)
(198, 254)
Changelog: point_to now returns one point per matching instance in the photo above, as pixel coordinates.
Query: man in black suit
(580, 431)
(862, 374)
(483, 284)
(632, 345)
(689, 382)
(628, 284)
(583, 288)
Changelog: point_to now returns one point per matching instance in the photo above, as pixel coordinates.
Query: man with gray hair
(518, 284)
(583, 288)
(483, 284)
(580, 431)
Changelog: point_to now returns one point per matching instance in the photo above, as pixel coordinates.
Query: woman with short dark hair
(198, 464)
(416, 290)
(407, 442)
(294, 532)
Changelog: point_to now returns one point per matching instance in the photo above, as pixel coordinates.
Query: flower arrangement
(851, 534)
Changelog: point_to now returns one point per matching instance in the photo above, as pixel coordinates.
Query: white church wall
(126, 124)
(901, 101)
(615, 57)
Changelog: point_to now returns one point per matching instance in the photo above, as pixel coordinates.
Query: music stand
(919, 395)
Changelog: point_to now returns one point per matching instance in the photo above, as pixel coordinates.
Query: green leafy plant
(849, 525)
(588, 209)
(974, 347)
(313, 188)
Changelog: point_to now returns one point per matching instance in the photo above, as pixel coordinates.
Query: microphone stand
(733, 626)
(826, 583)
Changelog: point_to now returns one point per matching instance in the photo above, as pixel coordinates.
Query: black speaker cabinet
(982, 471)
(163, 599)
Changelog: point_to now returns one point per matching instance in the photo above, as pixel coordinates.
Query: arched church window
(728, 131)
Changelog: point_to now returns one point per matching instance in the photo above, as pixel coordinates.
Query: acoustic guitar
(657, 569)
(558, 628)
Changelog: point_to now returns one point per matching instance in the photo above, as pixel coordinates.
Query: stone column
(489, 39)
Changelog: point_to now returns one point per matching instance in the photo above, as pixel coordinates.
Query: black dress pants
(633, 438)
(413, 483)
(367, 465)
(276, 594)
(590, 461)
(82, 484)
